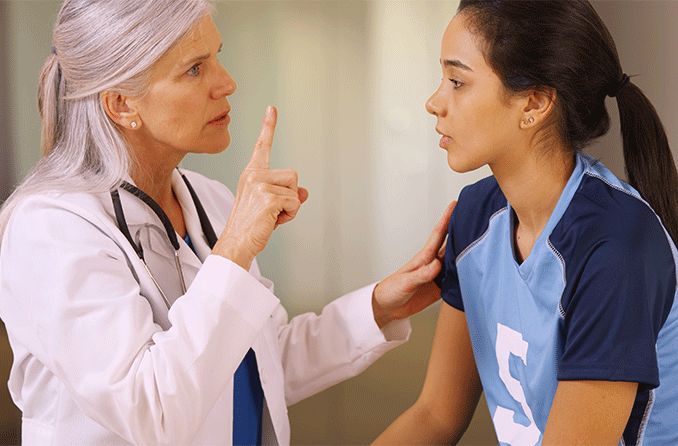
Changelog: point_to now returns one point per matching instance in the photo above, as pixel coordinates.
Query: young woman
(130, 290)
(559, 279)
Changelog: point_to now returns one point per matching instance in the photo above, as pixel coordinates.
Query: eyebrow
(200, 57)
(456, 63)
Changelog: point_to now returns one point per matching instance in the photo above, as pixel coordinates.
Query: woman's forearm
(450, 395)
(319, 351)
(420, 425)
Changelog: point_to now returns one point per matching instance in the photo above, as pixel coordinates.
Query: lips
(219, 119)
(444, 140)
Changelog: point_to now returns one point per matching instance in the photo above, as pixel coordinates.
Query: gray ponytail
(49, 99)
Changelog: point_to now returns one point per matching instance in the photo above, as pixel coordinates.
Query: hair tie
(58, 68)
(625, 79)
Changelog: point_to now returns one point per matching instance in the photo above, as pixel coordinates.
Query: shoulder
(56, 208)
(476, 206)
(52, 226)
(609, 238)
(609, 215)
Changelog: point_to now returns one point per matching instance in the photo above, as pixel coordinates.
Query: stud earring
(529, 120)
(133, 124)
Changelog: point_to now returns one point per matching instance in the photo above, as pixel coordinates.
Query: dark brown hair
(564, 45)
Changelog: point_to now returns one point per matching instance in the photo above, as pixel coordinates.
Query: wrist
(234, 252)
(381, 315)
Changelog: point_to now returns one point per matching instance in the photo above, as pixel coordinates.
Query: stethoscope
(205, 224)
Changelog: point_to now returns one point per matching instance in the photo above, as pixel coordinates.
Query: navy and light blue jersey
(594, 300)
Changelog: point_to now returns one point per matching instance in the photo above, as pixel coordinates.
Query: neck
(534, 183)
(152, 173)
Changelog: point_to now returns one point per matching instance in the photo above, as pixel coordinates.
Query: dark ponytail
(650, 167)
(564, 45)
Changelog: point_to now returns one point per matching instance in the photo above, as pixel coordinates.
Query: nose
(435, 105)
(225, 85)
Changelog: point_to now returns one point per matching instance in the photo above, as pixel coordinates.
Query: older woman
(130, 318)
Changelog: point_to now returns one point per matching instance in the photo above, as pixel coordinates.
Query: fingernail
(269, 110)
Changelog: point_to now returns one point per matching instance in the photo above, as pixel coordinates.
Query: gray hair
(98, 45)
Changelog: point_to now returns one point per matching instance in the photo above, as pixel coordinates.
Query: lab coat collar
(137, 213)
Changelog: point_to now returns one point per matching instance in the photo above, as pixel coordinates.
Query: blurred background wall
(350, 79)
(9, 416)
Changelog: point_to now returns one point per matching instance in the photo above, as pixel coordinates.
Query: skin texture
(188, 88)
(482, 123)
(172, 116)
(589, 412)
(450, 393)
(184, 95)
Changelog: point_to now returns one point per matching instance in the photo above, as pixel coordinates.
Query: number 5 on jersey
(509, 432)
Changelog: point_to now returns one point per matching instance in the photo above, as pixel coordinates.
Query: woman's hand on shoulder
(265, 199)
(411, 288)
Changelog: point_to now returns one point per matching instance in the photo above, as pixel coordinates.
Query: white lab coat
(98, 358)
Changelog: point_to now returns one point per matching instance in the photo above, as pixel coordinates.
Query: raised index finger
(262, 149)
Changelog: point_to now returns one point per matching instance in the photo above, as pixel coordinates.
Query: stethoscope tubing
(205, 224)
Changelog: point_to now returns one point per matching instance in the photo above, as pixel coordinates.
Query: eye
(457, 84)
(195, 70)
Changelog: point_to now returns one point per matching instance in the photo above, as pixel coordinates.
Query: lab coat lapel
(275, 417)
(141, 218)
(137, 213)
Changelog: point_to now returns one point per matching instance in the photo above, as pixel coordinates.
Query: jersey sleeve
(448, 279)
(470, 220)
(615, 308)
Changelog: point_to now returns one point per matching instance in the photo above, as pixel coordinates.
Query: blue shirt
(594, 300)
(248, 397)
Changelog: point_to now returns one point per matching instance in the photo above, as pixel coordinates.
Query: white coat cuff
(224, 279)
(365, 328)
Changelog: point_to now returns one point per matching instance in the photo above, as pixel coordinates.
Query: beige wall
(9, 415)
(7, 168)
(350, 79)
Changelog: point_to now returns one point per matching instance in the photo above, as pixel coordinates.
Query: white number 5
(511, 342)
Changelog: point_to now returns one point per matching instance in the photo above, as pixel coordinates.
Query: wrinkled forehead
(199, 40)
(196, 40)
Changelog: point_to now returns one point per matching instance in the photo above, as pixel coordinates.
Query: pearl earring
(133, 124)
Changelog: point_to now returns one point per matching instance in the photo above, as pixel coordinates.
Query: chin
(461, 164)
(219, 148)
(216, 146)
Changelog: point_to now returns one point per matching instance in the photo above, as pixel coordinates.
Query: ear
(538, 107)
(119, 109)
